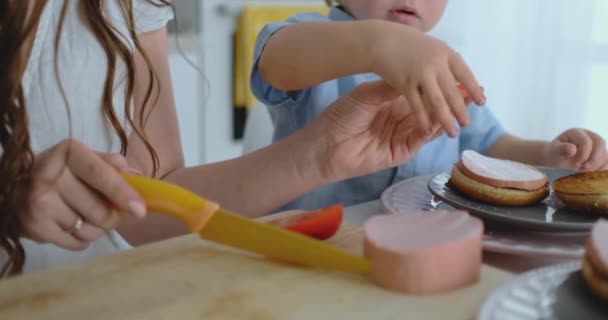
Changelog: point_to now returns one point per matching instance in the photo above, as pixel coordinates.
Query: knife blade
(221, 226)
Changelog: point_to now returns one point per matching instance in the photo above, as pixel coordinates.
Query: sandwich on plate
(497, 181)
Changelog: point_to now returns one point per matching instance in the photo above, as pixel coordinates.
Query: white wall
(186, 85)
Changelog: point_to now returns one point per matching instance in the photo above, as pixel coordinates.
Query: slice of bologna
(500, 173)
(424, 252)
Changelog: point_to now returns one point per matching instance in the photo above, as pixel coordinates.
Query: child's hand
(427, 72)
(578, 149)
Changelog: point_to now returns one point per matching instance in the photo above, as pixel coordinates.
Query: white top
(82, 69)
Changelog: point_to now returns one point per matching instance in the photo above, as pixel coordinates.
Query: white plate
(412, 194)
(554, 292)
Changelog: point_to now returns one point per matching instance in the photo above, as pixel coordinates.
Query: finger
(415, 102)
(100, 176)
(59, 230)
(465, 76)
(566, 149)
(117, 161)
(66, 240)
(438, 133)
(87, 203)
(584, 146)
(438, 107)
(454, 98)
(374, 92)
(598, 152)
(87, 232)
(416, 140)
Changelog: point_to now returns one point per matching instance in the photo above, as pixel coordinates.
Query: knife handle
(167, 198)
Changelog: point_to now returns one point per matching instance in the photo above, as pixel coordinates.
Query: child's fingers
(454, 98)
(465, 76)
(584, 146)
(598, 155)
(566, 149)
(438, 107)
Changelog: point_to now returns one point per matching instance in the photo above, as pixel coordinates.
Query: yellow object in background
(252, 20)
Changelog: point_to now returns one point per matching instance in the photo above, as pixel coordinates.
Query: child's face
(420, 14)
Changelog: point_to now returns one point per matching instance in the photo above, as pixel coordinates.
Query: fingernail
(137, 208)
(454, 132)
(465, 122)
(483, 100)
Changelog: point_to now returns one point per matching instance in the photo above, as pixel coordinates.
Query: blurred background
(544, 64)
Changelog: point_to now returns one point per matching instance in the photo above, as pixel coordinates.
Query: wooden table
(188, 278)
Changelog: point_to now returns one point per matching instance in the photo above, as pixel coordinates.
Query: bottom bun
(590, 203)
(496, 195)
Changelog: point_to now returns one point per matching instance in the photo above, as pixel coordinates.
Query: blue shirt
(291, 111)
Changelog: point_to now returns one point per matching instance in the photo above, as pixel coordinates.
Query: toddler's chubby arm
(576, 149)
(425, 70)
(305, 54)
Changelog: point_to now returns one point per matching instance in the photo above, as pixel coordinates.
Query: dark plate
(574, 300)
(548, 216)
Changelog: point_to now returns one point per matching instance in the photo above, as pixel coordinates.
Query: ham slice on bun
(424, 252)
(497, 181)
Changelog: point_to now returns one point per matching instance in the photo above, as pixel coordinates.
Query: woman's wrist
(308, 149)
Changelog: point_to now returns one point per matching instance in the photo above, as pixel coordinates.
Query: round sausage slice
(424, 252)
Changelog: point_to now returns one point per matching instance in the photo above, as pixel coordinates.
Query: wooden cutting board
(188, 278)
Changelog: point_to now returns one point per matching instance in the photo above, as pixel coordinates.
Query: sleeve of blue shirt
(482, 132)
(263, 91)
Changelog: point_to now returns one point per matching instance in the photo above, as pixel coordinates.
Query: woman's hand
(75, 195)
(370, 129)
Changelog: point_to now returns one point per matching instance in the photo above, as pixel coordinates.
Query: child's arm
(516, 149)
(424, 69)
(576, 149)
(302, 55)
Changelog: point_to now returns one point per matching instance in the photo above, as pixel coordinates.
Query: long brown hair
(18, 22)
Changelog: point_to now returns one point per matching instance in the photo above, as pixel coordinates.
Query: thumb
(374, 92)
(565, 149)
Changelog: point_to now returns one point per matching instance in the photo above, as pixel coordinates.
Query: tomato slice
(320, 224)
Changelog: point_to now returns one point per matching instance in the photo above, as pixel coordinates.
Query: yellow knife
(215, 224)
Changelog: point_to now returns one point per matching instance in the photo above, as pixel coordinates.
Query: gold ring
(76, 226)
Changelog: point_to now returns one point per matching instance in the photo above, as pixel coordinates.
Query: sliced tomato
(320, 224)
